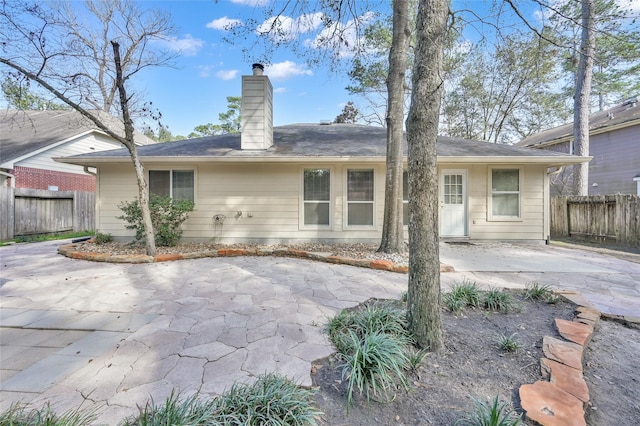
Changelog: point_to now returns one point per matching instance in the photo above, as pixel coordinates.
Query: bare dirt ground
(472, 367)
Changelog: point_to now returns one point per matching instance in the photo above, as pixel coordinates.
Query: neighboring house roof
(620, 116)
(317, 142)
(26, 132)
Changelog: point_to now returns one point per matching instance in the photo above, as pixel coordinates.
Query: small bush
(167, 215)
(19, 414)
(498, 300)
(190, 412)
(376, 365)
(496, 414)
(508, 343)
(535, 291)
(462, 295)
(271, 400)
(101, 238)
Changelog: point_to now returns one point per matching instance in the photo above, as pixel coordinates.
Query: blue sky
(209, 70)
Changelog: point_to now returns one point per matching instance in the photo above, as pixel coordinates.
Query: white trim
(490, 216)
(301, 201)
(637, 181)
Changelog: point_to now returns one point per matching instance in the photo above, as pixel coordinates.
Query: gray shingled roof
(312, 140)
(627, 113)
(23, 132)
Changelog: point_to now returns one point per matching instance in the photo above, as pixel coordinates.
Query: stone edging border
(560, 398)
(70, 250)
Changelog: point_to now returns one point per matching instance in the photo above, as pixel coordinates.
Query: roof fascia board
(10, 164)
(598, 131)
(555, 160)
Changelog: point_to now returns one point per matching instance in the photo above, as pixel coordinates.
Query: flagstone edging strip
(70, 250)
(560, 398)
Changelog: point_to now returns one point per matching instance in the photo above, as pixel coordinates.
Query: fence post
(7, 218)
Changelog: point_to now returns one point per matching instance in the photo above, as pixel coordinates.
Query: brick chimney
(256, 110)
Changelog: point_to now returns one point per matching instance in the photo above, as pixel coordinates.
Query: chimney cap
(258, 69)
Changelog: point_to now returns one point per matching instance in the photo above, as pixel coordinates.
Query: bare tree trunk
(393, 227)
(422, 132)
(581, 99)
(143, 191)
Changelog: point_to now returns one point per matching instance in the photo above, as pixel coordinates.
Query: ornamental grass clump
(495, 414)
(376, 349)
(19, 414)
(465, 294)
(508, 343)
(498, 300)
(535, 291)
(189, 412)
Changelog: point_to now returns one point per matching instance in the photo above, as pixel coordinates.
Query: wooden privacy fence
(612, 217)
(35, 211)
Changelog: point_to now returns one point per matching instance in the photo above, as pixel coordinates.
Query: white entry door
(453, 203)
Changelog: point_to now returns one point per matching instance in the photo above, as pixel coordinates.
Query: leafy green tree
(229, 121)
(86, 55)
(18, 93)
(349, 114)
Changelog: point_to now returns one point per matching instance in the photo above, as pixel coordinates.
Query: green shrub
(498, 300)
(101, 238)
(508, 343)
(462, 295)
(496, 414)
(20, 414)
(376, 364)
(271, 400)
(188, 412)
(535, 291)
(167, 215)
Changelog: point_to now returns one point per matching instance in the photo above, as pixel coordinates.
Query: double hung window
(360, 202)
(177, 184)
(317, 197)
(505, 193)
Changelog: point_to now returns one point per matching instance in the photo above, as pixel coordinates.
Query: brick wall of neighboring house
(43, 179)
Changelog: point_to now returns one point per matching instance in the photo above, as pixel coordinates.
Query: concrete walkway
(609, 284)
(111, 336)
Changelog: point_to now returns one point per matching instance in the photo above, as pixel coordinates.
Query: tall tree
(19, 96)
(229, 121)
(581, 99)
(423, 302)
(349, 114)
(87, 68)
(392, 240)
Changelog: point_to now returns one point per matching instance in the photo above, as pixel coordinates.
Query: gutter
(89, 172)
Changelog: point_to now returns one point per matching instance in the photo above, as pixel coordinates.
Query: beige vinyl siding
(532, 204)
(87, 143)
(268, 195)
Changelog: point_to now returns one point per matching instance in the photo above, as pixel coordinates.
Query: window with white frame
(177, 184)
(505, 193)
(316, 197)
(360, 189)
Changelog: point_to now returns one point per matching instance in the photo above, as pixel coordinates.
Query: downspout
(548, 218)
(13, 178)
(87, 171)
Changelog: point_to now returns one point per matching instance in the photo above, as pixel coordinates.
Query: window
(360, 197)
(505, 194)
(178, 184)
(317, 197)
(405, 198)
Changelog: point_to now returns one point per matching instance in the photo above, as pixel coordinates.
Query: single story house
(30, 139)
(322, 182)
(614, 144)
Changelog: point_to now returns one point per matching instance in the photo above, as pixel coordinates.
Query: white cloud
(187, 45)
(279, 90)
(285, 70)
(205, 70)
(251, 2)
(227, 74)
(223, 23)
(285, 28)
